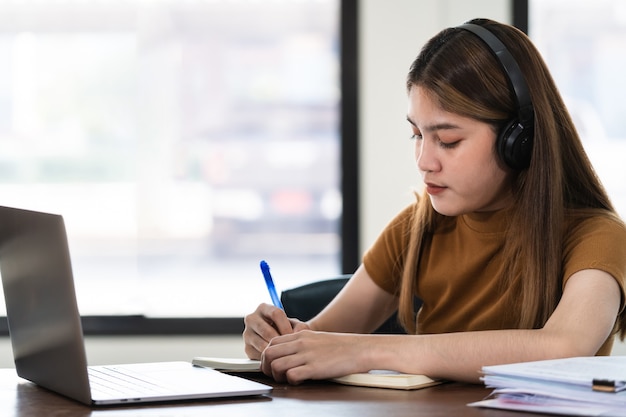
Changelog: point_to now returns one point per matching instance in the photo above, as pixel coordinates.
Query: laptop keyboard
(116, 382)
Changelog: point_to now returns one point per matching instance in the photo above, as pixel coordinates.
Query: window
(183, 142)
(583, 43)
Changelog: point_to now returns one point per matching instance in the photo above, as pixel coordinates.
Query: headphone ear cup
(515, 144)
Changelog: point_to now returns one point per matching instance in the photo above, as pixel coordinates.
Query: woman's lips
(434, 189)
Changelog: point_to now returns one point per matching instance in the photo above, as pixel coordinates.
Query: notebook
(374, 379)
(46, 332)
(228, 364)
(388, 379)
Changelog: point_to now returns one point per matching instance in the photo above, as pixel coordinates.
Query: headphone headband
(515, 142)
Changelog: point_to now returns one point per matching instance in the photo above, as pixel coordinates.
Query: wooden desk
(20, 398)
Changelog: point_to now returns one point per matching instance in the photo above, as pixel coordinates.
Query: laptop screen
(42, 313)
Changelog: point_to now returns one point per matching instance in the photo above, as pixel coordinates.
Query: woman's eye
(448, 145)
(416, 136)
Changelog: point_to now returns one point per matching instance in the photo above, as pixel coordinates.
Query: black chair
(306, 301)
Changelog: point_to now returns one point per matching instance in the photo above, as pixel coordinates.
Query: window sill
(141, 325)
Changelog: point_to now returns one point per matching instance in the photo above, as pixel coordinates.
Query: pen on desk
(265, 268)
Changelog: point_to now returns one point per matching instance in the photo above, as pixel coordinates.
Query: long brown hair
(461, 73)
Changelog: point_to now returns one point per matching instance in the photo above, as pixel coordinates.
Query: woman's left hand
(308, 354)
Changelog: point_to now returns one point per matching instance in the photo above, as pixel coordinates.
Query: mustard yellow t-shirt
(457, 276)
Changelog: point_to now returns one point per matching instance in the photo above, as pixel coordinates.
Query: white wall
(392, 33)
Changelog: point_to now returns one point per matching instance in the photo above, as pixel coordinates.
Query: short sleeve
(384, 260)
(596, 243)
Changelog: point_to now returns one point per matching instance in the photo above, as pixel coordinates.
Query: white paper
(561, 386)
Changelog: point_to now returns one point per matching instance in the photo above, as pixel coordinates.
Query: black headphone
(515, 142)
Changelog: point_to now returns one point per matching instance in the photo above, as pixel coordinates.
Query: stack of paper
(583, 386)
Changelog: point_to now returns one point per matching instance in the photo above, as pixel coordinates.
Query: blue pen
(265, 268)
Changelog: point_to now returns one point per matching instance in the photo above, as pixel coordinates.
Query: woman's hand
(263, 325)
(307, 354)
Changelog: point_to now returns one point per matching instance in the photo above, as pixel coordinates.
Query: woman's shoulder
(595, 239)
(586, 222)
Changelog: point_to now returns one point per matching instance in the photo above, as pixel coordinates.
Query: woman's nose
(425, 156)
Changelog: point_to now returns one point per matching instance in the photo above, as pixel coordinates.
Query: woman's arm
(360, 307)
(581, 323)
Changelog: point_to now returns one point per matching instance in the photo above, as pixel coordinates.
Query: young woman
(514, 249)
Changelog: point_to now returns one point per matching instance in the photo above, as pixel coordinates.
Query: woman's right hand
(263, 325)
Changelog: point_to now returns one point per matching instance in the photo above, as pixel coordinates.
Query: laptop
(46, 331)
